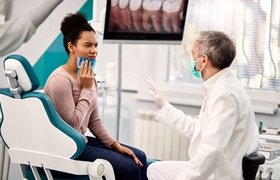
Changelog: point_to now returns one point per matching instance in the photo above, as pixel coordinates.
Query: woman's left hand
(124, 150)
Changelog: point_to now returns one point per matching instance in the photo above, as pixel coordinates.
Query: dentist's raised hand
(156, 93)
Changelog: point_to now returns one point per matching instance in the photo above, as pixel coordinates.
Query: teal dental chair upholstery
(35, 135)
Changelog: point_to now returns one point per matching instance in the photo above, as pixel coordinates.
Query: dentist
(225, 129)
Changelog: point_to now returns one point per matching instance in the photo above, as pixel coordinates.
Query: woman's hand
(124, 150)
(86, 75)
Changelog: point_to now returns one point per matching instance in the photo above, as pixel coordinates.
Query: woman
(75, 99)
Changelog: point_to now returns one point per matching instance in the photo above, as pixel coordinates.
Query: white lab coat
(224, 132)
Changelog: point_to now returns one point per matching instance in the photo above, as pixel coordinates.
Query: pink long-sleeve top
(76, 105)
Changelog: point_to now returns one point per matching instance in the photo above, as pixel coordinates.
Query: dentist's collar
(208, 84)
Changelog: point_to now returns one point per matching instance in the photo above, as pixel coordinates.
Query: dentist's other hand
(156, 93)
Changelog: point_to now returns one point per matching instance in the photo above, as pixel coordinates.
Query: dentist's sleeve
(176, 119)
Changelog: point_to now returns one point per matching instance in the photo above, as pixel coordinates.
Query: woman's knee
(141, 155)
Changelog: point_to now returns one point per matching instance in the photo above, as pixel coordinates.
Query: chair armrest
(100, 167)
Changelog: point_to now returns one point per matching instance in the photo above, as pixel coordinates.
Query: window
(254, 24)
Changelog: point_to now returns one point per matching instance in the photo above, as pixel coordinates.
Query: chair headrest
(26, 76)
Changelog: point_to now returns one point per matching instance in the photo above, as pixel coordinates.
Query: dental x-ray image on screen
(145, 21)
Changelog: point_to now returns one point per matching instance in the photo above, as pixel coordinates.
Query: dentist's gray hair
(218, 46)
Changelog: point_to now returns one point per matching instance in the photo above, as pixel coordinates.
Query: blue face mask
(194, 72)
(81, 59)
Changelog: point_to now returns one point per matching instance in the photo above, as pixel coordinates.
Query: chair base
(56, 175)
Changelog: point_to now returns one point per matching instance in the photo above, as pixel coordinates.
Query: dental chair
(250, 165)
(36, 137)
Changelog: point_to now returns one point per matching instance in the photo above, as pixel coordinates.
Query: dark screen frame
(131, 36)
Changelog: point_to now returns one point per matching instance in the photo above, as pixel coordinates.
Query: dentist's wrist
(161, 105)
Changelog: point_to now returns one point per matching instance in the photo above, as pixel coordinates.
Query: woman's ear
(70, 47)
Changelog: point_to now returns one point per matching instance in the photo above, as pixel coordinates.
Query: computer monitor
(145, 21)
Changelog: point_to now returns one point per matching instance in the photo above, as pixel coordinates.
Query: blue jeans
(124, 166)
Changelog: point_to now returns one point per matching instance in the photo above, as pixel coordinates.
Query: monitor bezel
(146, 37)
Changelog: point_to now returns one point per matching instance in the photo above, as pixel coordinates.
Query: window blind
(253, 24)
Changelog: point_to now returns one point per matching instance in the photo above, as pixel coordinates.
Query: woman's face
(86, 46)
